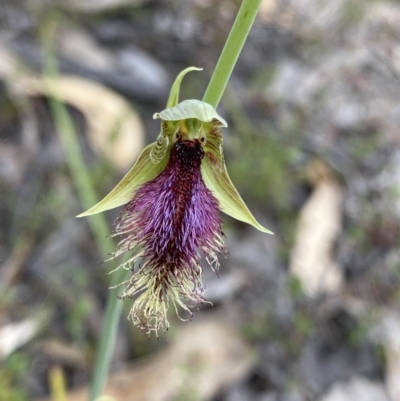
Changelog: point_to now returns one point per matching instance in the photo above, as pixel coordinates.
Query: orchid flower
(172, 199)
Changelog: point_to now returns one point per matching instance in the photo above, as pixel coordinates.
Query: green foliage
(295, 287)
(352, 12)
(8, 392)
(14, 369)
(303, 323)
(260, 169)
(76, 317)
(17, 364)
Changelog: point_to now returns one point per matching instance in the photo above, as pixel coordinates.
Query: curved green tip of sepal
(173, 98)
(230, 202)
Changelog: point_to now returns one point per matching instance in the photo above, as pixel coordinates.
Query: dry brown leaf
(115, 129)
(204, 357)
(318, 227)
(76, 43)
(8, 62)
(390, 337)
(267, 9)
(15, 335)
(273, 11)
(12, 267)
(64, 353)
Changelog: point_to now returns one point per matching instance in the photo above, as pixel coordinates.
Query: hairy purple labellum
(169, 220)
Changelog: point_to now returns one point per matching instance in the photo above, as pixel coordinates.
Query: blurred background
(313, 146)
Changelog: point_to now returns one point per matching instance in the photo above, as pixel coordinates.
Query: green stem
(87, 197)
(100, 231)
(231, 51)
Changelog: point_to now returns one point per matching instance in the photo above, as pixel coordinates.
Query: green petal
(144, 170)
(191, 109)
(230, 202)
(173, 98)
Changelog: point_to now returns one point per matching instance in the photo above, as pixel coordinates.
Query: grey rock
(358, 388)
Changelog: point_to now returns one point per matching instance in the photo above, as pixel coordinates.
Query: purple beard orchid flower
(173, 196)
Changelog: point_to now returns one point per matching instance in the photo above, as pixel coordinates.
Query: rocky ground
(311, 313)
